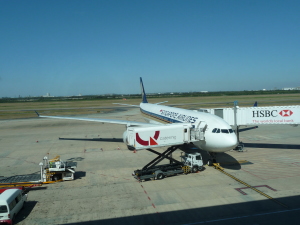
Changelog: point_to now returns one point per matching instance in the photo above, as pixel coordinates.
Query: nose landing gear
(212, 158)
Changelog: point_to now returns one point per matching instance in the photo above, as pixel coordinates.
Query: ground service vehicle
(56, 169)
(190, 162)
(51, 170)
(11, 202)
(174, 135)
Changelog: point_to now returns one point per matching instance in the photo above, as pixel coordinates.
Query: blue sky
(96, 47)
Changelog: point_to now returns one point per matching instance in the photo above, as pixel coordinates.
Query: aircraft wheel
(210, 162)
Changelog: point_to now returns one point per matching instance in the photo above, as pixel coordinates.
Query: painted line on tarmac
(148, 197)
(240, 217)
(244, 193)
(221, 169)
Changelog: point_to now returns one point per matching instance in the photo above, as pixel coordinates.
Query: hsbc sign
(275, 115)
(272, 113)
(262, 115)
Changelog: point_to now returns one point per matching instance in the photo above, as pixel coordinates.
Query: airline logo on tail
(144, 98)
(152, 140)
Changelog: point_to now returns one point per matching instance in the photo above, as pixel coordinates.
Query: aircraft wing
(125, 122)
(126, 104)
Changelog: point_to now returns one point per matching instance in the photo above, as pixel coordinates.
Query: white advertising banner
(270, 115)
(263, 115)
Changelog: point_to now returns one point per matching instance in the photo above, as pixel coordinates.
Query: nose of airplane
(225, 143)
(231, 142)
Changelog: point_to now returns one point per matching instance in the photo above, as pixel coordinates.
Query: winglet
(37, 113)
(144, 97)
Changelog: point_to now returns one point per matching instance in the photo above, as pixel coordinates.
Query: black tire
(195, 169)
(209, 162)
(160, 176)
(56, 178)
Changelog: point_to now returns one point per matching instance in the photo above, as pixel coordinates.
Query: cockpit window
(226, 131)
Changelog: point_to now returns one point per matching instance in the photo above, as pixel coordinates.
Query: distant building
(47, 95)
(290, 89)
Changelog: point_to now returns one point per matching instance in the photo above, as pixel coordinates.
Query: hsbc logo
(286, 113)
(265, 113)
(272, 113)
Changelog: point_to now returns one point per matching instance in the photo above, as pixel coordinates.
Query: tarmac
(104, 191)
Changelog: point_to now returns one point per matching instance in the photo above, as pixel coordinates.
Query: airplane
(218, 134)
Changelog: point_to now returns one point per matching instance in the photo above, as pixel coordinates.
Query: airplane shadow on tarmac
(268, 145)
(94, 139)
(225, 160)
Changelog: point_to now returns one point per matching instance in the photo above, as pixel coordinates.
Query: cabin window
(3, 209)
(19, 197)
(12, 205)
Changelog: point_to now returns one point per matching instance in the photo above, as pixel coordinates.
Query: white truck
(190, 162)
(11, 202)
(174, 135)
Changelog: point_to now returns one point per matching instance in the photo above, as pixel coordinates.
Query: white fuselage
(219, 136)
